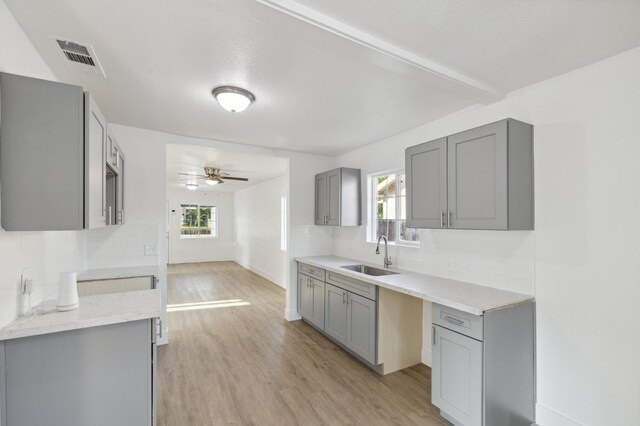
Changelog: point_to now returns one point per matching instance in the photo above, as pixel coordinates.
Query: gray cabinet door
(456, 380)
(477, 178)
(317, 303)
(321, 199)
(335, 313)
(42, 163)
(120, 192)
(305, 295)
(426, 174)
(99, 376)
(334, 188)
(361, 327)
(95, 164)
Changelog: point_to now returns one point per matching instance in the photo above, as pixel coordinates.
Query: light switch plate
(150, 250)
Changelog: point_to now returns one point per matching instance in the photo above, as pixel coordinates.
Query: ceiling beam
(480, 90)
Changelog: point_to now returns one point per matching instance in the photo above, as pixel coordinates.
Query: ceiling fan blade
(195, 176)
(191, 178)
(234, 178)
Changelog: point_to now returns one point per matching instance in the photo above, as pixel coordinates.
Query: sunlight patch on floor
(179, 307)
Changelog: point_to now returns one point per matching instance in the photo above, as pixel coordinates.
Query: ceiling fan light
(192, 186)
(233, 99)
(211, 181)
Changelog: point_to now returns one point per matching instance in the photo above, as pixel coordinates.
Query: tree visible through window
(389, 209)
(198, 221)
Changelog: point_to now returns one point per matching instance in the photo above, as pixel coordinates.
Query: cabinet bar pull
(453, 320)
(433, 335)
(344, 295)
(348, 298)
(448, 218)
(442, 219)
(160, 328)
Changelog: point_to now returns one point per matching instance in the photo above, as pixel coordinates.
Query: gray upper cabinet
(426, 168)
(114, 181)
(53, 166)
(337, 198)
(477, 179)
(95, 157)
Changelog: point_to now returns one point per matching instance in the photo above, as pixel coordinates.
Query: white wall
(145, 225)
(582, 261)
(259, 228)
(45, 254)
(221, 247)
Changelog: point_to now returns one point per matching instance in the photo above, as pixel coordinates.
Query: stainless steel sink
(369, 270)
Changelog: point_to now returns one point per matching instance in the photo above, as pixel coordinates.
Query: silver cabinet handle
(442, 219)
(448, 218)
(433, 335)
(452, 320)
(160, 328)
(109, 215)
(348, 298)
(344, 297)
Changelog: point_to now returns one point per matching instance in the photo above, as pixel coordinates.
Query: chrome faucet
(387, 259)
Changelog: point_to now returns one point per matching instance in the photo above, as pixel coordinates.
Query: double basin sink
(369, 270)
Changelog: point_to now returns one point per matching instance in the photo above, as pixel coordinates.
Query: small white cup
(68, 292)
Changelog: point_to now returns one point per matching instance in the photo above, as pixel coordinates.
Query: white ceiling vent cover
(80, 57)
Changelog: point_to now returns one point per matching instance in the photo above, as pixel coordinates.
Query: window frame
(213, 222)
(372, 209)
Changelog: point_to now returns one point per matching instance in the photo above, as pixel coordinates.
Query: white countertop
(102, 309)
(114, 273)
(472, 298)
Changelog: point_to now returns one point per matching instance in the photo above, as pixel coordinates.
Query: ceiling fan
(212, 176)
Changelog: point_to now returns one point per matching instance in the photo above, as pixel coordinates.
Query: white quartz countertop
(102, 309)
(472, 298)
(115, 273)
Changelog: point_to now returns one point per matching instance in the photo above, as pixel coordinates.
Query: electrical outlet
(26, 283)
(150, 250)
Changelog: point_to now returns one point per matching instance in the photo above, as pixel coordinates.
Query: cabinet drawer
(358, 287)
(458, 321)
(312, 271)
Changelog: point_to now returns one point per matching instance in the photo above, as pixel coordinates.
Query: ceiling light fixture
(233, 99)
(192, 186)
(213, 181)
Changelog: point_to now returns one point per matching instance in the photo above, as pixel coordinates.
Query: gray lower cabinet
(483, 371)
(311, 302)
(99, 376)
(337, 198)
(481, 178)
(350, 319)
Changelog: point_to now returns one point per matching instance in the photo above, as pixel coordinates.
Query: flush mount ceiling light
(233, 99)
(192, 186)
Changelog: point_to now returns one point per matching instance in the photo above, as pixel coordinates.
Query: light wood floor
(241, 363)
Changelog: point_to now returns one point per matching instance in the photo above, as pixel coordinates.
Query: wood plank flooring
(234, 360)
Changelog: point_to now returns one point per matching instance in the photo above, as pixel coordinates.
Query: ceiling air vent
(80, 57)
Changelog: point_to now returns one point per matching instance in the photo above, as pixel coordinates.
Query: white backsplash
(495, 259)
(123, 245)
(42, 256)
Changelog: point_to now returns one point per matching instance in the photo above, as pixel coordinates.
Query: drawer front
(458, 321)
(312, 271)
(358, 287)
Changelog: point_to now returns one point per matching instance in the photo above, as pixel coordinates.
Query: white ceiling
(193, 159)
(328, 75)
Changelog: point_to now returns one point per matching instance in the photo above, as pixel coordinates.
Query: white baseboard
(426, 356)
(292, 315)
(274, 279)
(547, 417)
